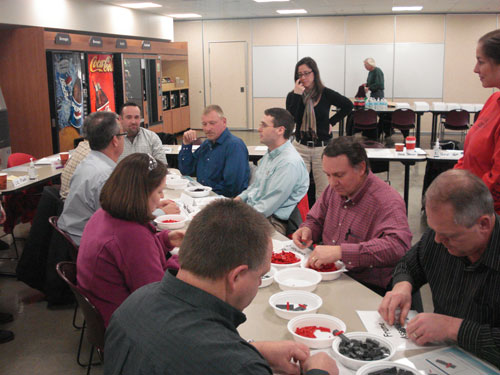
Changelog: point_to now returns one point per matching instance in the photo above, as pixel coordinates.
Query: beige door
(228, 83)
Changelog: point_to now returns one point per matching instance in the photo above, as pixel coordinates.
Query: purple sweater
(117, 257)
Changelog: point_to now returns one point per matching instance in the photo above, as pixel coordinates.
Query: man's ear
(234, 277)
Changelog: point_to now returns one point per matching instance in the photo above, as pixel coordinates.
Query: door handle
(242, 89)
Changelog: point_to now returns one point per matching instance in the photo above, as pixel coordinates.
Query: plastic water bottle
(436, 149)
(32, 170)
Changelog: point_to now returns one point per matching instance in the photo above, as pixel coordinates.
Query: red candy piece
(308, 331)
(329, 267)
(285, 257)
(170, 221)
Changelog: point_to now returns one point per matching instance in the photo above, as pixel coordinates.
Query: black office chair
(93, 326)
(366, 120)
(403, 119)
(456, 120)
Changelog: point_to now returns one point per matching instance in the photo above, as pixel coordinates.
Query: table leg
(418, 129)
(407, 185)
(341, 128)
(434, 128)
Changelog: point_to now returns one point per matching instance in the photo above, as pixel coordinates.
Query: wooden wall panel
(23, 78)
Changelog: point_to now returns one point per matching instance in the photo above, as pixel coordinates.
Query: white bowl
(279, 266)
(268, 278)
(298, 279)
(172, 176)
(294, 297)
(198, 191)
(177, 183)
(323, 340)
(180, 221)
(327, 276)
(355, 364)
(371, 367)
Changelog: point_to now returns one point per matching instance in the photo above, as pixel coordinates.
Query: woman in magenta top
(482, 144)
(120, 249)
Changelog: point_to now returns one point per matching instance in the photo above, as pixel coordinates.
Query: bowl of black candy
(387, 368)
(198, 191)
(356, 349)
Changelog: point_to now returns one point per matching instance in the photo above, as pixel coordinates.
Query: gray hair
(467, 194)
(100, 128)
(370, 61)
(213, 108)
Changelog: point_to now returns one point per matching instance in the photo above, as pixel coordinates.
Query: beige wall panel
(191, 32)
(274, 31)
(369, 29)
(321, 30)
(227, 30)
(261, 104)
(420, 29)
(461, 84)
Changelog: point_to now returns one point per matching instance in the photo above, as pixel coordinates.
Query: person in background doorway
(310, 103)
(482, 143)
(221, 161)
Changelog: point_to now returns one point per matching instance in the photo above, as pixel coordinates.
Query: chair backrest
(457, 118)
(18, 158)
(53, 222)
(403, 117)
(365, 116)
(94, 323)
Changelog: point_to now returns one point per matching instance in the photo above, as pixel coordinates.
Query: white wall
(86, 15)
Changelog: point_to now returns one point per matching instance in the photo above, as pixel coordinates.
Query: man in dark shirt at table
(221, 161)
(459, 256)
(188, 324)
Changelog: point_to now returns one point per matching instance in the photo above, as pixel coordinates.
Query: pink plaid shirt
(371, 228)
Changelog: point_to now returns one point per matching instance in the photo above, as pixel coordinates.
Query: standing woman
(482, 143)
(310, 103)
(120, 249)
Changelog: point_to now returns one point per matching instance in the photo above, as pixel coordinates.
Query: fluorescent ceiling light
(185, 15)
(291, 11)
(140, 5)
(407, 9)
(269, 1)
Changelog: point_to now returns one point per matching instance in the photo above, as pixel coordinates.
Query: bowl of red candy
(330, 271)
(170, 221)
(315, 330)
(285, 259)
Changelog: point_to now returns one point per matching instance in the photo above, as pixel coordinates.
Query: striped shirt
(146, 142)
(465, 290)
(371, 228)
(77, 156)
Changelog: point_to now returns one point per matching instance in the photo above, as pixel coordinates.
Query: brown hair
(222, 236)
(351, 148)
(281, 117)
(490, 44)
(125, 195)
(318, 85)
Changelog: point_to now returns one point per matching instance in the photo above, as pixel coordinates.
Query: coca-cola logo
(101, 65)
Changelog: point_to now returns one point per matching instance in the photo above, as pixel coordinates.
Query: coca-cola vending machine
(102, 92)
(68, 97)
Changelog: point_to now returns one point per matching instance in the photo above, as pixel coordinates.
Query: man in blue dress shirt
(281, 179)
(221, 161)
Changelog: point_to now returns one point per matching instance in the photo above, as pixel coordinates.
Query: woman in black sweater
(310, 103)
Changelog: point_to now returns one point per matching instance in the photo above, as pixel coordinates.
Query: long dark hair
(490, 44)
(318, 85)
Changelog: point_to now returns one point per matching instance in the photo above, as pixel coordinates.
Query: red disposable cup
(399, 146)
(3, 181)
(64, 157)
(411, 142)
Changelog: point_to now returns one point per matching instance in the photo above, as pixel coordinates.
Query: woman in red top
(482, 144)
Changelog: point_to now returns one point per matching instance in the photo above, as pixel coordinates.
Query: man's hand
(169, 207)
(176, 237)
(323, 255)
(299, 87)
(279, 355)
(429, 327)
(189, 137)
(400, 296)
(320, 361)
(302, 237)
(367, 89)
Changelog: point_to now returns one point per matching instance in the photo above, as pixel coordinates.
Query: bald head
(465, 192)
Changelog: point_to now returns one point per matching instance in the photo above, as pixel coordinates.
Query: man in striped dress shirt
(459, 256)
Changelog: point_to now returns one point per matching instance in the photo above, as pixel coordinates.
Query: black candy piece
(369, 350)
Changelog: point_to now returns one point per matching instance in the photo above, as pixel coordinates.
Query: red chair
(20, 206)
(303, 207)
(456, 120)
(403, 119)
(365, 119)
